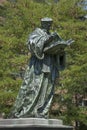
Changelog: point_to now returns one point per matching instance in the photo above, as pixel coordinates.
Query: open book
(57, 47)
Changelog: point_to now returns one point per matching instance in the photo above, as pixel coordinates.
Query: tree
(17, 20)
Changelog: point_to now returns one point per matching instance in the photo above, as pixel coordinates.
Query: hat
(46, 19)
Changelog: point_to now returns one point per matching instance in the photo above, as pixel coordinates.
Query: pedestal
(33, 124)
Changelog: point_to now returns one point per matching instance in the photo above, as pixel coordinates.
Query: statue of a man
(36, 93)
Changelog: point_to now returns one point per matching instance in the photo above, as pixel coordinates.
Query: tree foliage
(17, 20)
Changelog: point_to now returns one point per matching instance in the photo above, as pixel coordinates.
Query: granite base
(33, 124)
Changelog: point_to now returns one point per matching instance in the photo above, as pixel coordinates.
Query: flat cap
(46, 19)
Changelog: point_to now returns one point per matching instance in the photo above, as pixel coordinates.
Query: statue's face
(46, 25)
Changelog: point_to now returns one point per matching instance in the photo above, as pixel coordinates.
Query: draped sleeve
(36, 42)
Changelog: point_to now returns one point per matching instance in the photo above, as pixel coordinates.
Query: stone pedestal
(33, 124)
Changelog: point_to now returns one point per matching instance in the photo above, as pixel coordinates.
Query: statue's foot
(41, 116)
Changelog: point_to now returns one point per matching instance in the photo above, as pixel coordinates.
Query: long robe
(36, 93)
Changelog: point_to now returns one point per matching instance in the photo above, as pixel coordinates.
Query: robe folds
(36, 93)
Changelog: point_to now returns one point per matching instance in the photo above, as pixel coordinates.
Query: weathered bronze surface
(47, 59)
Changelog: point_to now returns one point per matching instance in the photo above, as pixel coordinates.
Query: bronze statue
(47, 59)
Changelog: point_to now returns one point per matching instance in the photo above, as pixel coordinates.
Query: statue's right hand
(54, 35)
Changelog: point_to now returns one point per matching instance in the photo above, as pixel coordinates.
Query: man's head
(46, 23)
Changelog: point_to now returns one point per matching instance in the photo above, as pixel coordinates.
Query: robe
(36, 93)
